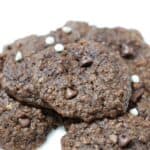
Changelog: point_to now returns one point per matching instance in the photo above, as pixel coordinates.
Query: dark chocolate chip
(9, 47)
(124, 140)
(20, 114)
(24, 122)
(86, 61)
(70, 93)
(127, 51)
(137, 86)
(137, 94)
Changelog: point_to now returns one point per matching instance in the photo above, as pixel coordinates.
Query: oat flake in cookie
(124, 133)
(85, 81)
(22, 127)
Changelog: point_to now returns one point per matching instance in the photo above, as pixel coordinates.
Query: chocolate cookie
(22, 48)
(85, 80)
(22, 127)
(136, 54)
(127, 132)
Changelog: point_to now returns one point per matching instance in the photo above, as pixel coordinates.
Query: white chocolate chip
(41, 80)
(9, 106)
(134, 112)
(50, 40)
(135, 79)
(66, 29)
(59, 47)
(18, 56)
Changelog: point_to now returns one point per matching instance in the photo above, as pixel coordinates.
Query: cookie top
(27, 46)
(127, 132)
(119, 36)
(85, 81)
(22, 127)
(71, 32)
(130, 44)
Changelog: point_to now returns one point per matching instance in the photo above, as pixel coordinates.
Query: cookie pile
(94, 81)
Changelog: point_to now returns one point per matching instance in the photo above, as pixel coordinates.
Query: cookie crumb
(86, 61)
(18, 56)
(134, 112)
(113, 138)
(24, 122)
(135, 79)
(66, 29)
(50, 40)
(59, 47)
(124, 140)
(70, 93)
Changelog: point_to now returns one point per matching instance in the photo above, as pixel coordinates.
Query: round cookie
(22, 127)
(127, 132)
(136, 54)
(20, 49)
(85, 81)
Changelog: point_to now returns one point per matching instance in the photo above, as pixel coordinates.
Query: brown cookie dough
(131, 46)
(85, 81)
(71, 32)
(2, 58)
(124, 40)
(143, 106)
(27, 46)
(140, 66)
(20, 49)
(124, 133)
(140, 73)
(22, 127)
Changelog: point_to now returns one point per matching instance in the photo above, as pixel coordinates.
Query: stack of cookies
(94, 81)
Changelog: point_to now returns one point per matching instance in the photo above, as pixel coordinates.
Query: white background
(19, 18)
